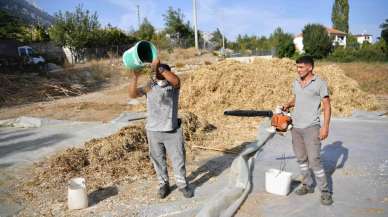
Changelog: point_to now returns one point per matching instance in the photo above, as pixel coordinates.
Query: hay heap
(122, 156)
(263, 84)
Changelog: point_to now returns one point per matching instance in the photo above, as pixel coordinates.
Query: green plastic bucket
(142, 52)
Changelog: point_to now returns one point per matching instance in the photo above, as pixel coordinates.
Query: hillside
(26, 11)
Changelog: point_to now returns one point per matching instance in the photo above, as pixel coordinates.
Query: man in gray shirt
(309, 91)
(164, 132)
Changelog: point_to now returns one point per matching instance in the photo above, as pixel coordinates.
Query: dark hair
(165, 66)
(306, 59)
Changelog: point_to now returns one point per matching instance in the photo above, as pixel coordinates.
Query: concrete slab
(45, 137)
(28, 122)
(364, 115)
(355, 157)
(26, 140)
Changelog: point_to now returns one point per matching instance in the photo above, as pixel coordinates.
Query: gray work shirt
(162, 108)
(308, 102)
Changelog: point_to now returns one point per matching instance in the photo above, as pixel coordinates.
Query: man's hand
(135, 73)
(155, 65)
(132, 88)
(289, 104)
(323, 133)
(285, 107)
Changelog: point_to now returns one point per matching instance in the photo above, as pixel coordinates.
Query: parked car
(30, 55)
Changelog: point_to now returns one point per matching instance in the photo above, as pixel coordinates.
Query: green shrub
(367, 52)
(341, 54)
(285, 48)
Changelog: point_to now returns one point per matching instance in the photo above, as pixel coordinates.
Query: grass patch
(372, 77)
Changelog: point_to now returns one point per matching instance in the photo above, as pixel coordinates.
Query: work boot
(304, 190)
(164, 190)
(326, 198)
(187, 192)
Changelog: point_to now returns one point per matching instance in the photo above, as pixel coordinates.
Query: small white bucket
(277, 182)
(77, 197)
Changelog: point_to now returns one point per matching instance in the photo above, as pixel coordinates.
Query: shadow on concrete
(31, 145)
(102, 194)
(5, 137)
(331, 155)
(214, 167)
(5, 165)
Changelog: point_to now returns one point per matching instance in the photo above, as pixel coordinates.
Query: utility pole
(222, 33)
(223, 41)
(195, 23)
(138, 16)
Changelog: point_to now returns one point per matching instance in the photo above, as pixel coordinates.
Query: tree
(146, 30)
(217, 39)
(351, 42)
(340, 15)
(161, 41)
(316, 40)
(182, 33)
(263, 43)
(384, 31)
(109, 37)
(13, 28)
(76, 30)
(39, 33)
(283, 42)
(251, 43)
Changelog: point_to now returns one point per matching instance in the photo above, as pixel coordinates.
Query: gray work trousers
(172, 143)
(307, 149)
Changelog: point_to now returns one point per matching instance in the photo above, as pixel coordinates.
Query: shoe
(326, 198)
(164, 190)
(304, 190)
(187, 192)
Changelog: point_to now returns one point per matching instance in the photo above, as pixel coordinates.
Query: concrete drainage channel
(354, 156)
(228, 200)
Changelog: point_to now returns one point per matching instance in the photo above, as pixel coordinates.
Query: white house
(364, 37)
(298, 42)
(339, 38)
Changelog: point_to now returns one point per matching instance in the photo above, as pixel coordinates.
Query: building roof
(331, 31)
(335, 31)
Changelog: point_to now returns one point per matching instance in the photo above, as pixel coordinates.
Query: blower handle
(249, 113)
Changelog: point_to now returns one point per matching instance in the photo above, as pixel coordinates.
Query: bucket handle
(82, 184)
(283, 164)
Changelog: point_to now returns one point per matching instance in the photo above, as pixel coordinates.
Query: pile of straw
(263, 84)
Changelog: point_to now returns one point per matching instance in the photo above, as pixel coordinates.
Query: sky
(232, 17)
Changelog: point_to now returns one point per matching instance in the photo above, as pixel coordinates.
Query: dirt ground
(105, 100)
(107, 96)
